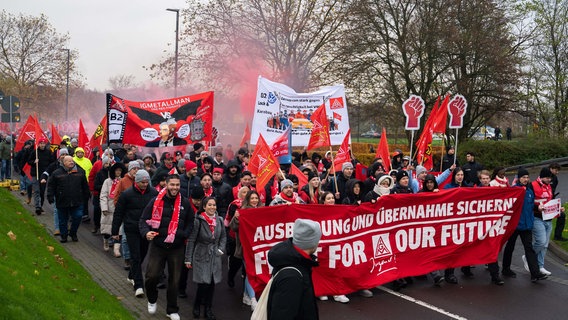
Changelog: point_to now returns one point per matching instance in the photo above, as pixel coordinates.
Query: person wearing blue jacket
(524, 230)
(421, 172)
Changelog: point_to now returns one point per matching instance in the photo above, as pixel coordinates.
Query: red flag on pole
(55, 137)
(27, 133)
(99, 135)
(302, 179)
(424, 144)
(83, 140)
(263, 163)
(441, 119)
(320, 130)
(343, 154)
(38, 132)
(246, 136)
(281, 146)
(383, 151)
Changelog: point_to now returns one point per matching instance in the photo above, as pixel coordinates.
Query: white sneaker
(342, 298)
(173, 316)
(323, 298)
(105, 245)
(525, 263)
(152, 307)
(253, 304)
(139, 293)
(246, 300)
(366, 293)
(544, 271)
(131, 281)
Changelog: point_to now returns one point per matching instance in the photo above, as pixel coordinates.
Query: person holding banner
(431, 185)
(524, 230)
(338, 183)
(542, 228)
(292, 295)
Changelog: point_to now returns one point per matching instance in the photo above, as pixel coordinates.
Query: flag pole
(442, 157)
(456, 148)
(333, 166)
(411, 144)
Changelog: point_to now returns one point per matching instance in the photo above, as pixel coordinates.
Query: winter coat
(233, 181)
(526, 220)
(224, 196)
(107, 206)
(45, 158)
(185, 222)
(291, 295)
(5, 150)
(129, 207)
(186, 185)
(68, 188)
(205, 250)
(341, 186)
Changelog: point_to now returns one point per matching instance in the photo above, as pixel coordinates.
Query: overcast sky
(112, 37)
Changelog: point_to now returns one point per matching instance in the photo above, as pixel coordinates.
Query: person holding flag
(39, 161)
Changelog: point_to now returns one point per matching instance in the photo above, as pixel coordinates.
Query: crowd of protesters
(183, 208)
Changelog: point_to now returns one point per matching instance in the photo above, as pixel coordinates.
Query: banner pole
(456, 148)
(411, 145)
(333, 166)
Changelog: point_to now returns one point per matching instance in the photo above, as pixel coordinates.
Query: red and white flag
(320, 131)
(263, 163)
(343, 155)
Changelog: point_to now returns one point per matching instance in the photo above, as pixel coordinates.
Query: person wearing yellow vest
(86, 165)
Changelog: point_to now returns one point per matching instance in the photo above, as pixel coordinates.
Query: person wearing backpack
(292, 294)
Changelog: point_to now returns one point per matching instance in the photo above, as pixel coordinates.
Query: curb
(558, 251)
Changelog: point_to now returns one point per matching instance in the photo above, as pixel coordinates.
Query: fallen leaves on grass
(50, 248)
(11, 235)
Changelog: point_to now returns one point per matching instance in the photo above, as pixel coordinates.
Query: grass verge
(40, 280)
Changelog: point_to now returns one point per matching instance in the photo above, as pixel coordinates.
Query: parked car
(485, 133)
(371, 134)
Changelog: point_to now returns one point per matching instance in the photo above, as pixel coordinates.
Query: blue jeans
(24, 182)
(55, 217)
(6, 169)
(75, 213)
(124, 244)
(541, 236)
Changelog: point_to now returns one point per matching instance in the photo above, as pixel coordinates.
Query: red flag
(246, 136)
(441, 119)
(343, 154)
(38, 132)
(84, 140)
(55, 137)
(281, 146)
(302, 179)
(337, 116)
(320, 130)
(27, 133)
(424, 143)
(262, 163)
(383, 151)
(99, 135)
(361, 172)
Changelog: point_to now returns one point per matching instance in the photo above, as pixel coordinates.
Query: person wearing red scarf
(204, 252)
(287, 195)
(166, 223)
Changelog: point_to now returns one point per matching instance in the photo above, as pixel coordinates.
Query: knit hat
(181, 163)
(79, 149)
(218, 169)
(141, 175)
(197, 193)
(401, 174)
(286, 183)
(522, 172)
(306, 234)
(346, 165)
(312, 175)
(545, 173)
(420, 169)
(190, 165)
(133, 165)
(74, 140)
(62, 151)
(105, 160)
(204, 153)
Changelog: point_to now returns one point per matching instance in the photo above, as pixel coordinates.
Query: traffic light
(6, 103)
(6, 117)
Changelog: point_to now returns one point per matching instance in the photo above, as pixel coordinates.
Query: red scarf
(157, 215)
(211, 221)
(208, 192)
(289, 199)
(113, 188)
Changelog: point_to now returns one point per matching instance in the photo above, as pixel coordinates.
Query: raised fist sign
(413, 109)
(457, 108)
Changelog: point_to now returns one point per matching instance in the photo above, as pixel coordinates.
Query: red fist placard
(413, 109)
(457, 108)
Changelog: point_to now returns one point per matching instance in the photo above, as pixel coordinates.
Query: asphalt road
(475, 298)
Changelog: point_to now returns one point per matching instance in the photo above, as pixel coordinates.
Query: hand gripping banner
(398, 236)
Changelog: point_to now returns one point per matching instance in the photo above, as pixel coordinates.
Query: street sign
(6, 103)
(6, 117)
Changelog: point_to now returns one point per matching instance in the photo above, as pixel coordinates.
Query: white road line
(421, 303)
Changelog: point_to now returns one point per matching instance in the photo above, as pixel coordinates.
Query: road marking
(421, 303)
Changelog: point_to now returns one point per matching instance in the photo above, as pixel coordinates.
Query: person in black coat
(69, 188)
(292, 294)
(39, 163)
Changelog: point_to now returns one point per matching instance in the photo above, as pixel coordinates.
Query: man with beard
(232, 175)
(166, 164)
(166, 223)
(128, 210)
(189, 180)
(287, 196)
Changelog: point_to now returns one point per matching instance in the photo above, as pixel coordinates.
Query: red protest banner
(161, 123)
(398, 236)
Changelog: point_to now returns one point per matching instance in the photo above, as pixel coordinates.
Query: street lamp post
(67, 88)
(176, 54)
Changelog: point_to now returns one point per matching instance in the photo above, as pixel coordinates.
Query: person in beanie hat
(149, 164)
(293, 260)
(311, 192)
(525, 231)
(421, 172)
(287, 195)
(542, 229)
(337, 185)
(402, 183)
(131, 202)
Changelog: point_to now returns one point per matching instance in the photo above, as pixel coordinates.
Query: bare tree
(33, 65)
(122, 81)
